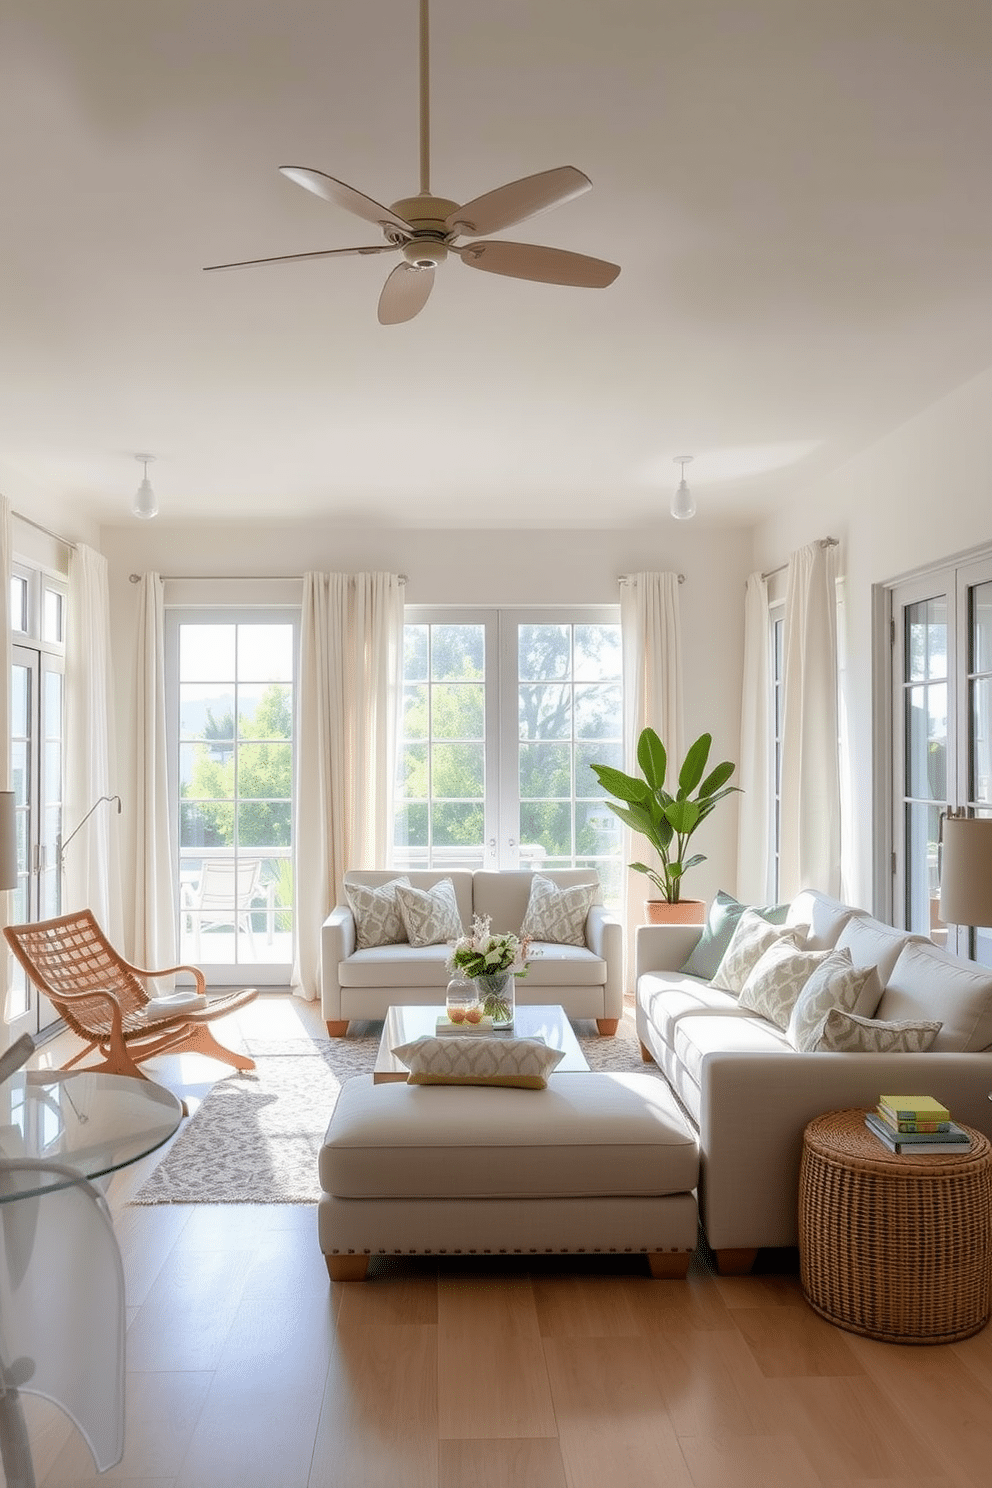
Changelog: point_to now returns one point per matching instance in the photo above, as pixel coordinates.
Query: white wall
(920, 495)
(489, 568)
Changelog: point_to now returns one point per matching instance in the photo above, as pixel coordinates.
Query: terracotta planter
(685, 912)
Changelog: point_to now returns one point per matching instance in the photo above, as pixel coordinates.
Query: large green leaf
(682, 816)
(652, 758)
(694, 764)
(625, 787)
(716, 778)
(705, 807)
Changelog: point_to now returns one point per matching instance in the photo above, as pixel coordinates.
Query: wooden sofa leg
(735, 1262)
(347, 1267)
(607, 1026)
(669, 1265)
(646, 1054)
(337, 1030)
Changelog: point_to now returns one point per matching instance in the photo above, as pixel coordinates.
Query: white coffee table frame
(531, 1020)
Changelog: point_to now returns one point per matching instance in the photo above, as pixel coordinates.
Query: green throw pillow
(721, 922)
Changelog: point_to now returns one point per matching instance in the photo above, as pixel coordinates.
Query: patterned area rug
(256, 1136)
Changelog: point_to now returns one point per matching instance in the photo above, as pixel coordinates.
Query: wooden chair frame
(103, 1000)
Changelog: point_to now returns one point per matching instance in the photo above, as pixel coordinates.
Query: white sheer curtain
(92, 866)
(651, 633)
(6, 899)
(755, 876)
(153, 927)
(810, 814)
(351, 638)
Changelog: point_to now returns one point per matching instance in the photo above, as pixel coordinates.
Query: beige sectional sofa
(586, 980)
(749, 1093)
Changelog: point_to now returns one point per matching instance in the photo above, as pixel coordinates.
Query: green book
(951, 1141)
(915, 1107)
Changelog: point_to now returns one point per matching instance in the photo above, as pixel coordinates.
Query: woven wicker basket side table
(893, 1247)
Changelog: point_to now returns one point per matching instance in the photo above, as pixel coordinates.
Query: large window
(38, 616)
(941, 637)
(503, 714)
(232, 679)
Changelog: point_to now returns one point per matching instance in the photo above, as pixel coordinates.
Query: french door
(503, 713)
(941, 636)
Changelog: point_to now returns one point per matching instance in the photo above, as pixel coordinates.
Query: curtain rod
(825, 542)
(629, 578)
(234, 578)
(30, 522)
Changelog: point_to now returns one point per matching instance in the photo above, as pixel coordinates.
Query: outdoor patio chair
(102, 998)
(224, 894)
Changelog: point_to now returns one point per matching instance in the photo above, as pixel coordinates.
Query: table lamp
(966, 870)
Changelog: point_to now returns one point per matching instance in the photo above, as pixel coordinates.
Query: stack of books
(915, 1124)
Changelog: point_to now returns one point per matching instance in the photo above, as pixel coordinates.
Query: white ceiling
(797, 192)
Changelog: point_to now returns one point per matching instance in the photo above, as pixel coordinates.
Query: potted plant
(668, 821)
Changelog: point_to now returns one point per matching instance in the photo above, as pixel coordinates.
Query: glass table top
(92, 1122)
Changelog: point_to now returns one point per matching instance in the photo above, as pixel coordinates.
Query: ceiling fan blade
(547, 265)
(508, 205)
(405, 293)
(344, 196)
(250, 263)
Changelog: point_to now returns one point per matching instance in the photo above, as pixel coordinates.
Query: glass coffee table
(531, 1020)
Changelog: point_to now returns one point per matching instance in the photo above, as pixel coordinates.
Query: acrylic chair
(62, 1311)
(224, 894)
(102, 997)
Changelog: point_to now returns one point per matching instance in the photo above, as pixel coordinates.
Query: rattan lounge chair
(102, 997)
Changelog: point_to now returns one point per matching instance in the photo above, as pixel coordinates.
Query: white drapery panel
(92, 865)
(755, 876)
(351, 638)
(810, 811)
(153, 928)
(6, 899)
(651, 633)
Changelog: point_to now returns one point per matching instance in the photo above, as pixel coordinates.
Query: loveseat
(749, 1091)
(361, 981)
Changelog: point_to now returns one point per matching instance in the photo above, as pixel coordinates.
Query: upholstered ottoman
(594, 1163)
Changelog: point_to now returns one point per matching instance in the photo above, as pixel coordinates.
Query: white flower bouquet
(484, 954)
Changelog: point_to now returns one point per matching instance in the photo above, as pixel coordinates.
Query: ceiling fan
(425, 228)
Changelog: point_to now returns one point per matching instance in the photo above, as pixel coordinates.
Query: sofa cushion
(872, 943)
(836, 983)
(696, 1037)
(824, 916)
(846, 1033)
(777, 978)
(396, 966)
(667, 996)
(564, 966)
(520, 1063)
(928, 983)
(721, 922)
(556, 913)
(504, 896)
(751, 938)
(376, 909)
(430, 916)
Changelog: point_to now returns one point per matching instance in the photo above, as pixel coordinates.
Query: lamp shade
(966, 871)
(8, 841)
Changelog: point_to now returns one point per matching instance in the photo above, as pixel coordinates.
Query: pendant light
(145, 503)
(683, 502)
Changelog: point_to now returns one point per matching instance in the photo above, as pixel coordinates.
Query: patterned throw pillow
(377, 913)
(522, 1063)
(556, 914)
(836, 983)
(749, 942)
(846, 1033)
(721, 922)
(778, 977)
(430, 915)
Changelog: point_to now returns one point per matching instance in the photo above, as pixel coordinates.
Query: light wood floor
(247, 1369)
